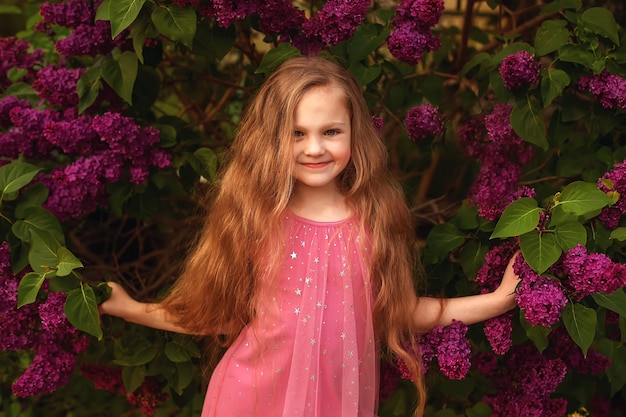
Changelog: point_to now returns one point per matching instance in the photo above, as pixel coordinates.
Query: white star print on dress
(311, 342)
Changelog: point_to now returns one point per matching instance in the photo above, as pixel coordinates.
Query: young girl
(305, 266)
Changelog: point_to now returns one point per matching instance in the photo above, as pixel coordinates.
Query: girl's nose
(314, 146)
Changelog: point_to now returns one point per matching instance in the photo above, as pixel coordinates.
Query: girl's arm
(122, 305)
(432, 312)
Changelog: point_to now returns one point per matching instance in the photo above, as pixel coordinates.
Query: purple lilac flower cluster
(498, 330)
(540, 298)
(14, 53)
(449, 345)
(147, 397)
(40, 327)
(519, 69)
(412, 36)
(106, 148)
(609, 89)
(334, 23)
(89, 36)
(424, 121)
(614, 181)
(58, 85)
(80, 187)
(491, 140)
(588, 273)
(525, 384)
(25, 137)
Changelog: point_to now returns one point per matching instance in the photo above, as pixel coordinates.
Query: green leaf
(619, 234)
(16, 74)
(140, 351)
(527, 122)
(276, 56)
(540, 250)
(364, 74)
(577, 54)
(10, 10)
(553, 82)
(122, 13)
(120, 74)
(476, 60)
(67, 262)
(616, 301)
(472, 257)
(88, 87)
(176, 353)
(479, 410)
(102, 13)
(141, 29)
(183, 376)
(616, 374)
(537, 334)
(14, 176)
(167, 135)
(570, 234)
(20, 90)
(213, 41)
(551, 36)
(132, 377)
(521, 216)
(38, 218)
(580, 322)
(558, 5)
(440, 241)
(29, 288)
(601, 21)
(366, 39)
(42, 255)
(581, 197)
(81, 310)
(33, 196)
(204, 162)
(176, 23)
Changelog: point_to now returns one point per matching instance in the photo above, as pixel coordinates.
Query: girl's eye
(332, 132)
(297, 133)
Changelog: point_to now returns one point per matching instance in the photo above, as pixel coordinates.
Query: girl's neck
(318, 205)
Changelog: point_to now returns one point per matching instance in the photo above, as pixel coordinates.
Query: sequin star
(298, 291)
(296, 311)
(343, 335)
(294, 255)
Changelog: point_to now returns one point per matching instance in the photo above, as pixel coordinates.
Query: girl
(305, 266)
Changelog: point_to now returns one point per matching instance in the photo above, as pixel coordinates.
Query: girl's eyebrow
(326, 124)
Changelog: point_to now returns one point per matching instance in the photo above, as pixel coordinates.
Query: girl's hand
(509, 282)
(119, 303)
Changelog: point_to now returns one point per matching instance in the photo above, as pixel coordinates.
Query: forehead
(322, 97)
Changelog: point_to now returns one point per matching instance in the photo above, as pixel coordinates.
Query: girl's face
(321, 138)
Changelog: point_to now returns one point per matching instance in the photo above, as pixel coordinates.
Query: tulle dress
(311, 350)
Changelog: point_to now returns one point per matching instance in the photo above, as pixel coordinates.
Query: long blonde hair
(216, 290)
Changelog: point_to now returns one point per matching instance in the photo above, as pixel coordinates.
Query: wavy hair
(216, 290)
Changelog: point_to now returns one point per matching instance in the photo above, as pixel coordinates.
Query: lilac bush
(112, 116)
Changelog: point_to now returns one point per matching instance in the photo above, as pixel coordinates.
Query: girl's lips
(316, 164)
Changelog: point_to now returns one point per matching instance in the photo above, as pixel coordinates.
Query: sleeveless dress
(310, 351)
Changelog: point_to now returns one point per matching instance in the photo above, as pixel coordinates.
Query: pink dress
(311, 350)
